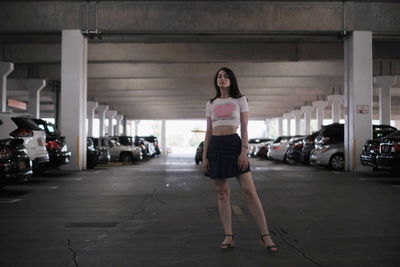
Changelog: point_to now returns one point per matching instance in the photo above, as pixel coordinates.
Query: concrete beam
(198, 53)
(202, 17)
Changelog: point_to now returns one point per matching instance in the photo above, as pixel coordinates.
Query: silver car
(117, 151)
(329, 147)
(331, 155)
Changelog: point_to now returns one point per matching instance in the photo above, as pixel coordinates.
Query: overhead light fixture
(92, 33)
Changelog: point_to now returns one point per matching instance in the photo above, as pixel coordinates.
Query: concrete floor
(163, 212)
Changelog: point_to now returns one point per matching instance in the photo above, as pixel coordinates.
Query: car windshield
(380, 131)
(114, 143)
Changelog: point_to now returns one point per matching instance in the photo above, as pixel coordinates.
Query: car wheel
(126, 157)
(290, 160)
(337, 162)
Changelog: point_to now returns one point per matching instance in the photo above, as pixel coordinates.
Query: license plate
(385, 149)
(40, 142)
(21, 165)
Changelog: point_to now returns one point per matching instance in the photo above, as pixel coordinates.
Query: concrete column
(102, 117)
(320, 109)
(74, 96)
(358, 96)
(125, 126)
(110, 114)
(163, 139)
(288, 117)
(336, 101)
(267, 127)
(119, 119)
(307, 118)
(34, 88)
(384, 83)
(5, 69)
(137, 122)
(91, 107)
(280, 126)
(297, 116)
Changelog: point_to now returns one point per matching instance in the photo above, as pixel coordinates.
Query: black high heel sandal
(228, 246)
(270, 249)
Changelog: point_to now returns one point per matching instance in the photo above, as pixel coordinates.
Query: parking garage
(101, 68)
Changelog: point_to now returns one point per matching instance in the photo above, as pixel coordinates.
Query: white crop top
(226, 111)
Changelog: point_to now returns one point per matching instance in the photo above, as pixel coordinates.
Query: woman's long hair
(233, 88)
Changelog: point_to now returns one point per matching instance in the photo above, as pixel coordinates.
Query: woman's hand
(205, 164)
(243, 160)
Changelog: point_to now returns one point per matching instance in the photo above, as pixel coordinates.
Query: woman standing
(225, 155)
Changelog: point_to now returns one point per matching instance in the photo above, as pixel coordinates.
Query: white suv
(22, 126)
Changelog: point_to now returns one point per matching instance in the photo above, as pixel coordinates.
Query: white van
(22, 126)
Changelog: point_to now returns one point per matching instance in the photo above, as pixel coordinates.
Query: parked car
(329, 147)
(388, 157)
(15, 164)
(144, 146)
(199, 153)
(154, 140)
(263, 149)
(23, 126)
(278, 148)
(371, 147)
(308, 146)
(255, 144)
(95, 155)
(55, 144)
(117, 151)
(293, 154)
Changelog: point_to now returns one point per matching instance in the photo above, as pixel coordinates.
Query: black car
(151, 144)
(371, 147)
(153, 139)
(15, 165)
(293, 154)
(199, 153)
(55, 144)
(389, 153)
(95, 155)
(308, 146)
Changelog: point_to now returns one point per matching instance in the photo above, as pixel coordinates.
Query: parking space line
(13, 200)
(236, 210)
(379, 179)
(32, 187)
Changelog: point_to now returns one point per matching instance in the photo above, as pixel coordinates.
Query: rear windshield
(25, 123)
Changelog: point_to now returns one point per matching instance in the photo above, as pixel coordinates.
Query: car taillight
(395, 147)
(53, 144)
(276, 147)
(22, 133)
(375, 148)
(5, 153)
(298, 145)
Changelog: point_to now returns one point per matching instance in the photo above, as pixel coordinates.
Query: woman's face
(223, 79)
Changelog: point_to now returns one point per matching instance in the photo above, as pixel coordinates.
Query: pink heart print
(224, 110)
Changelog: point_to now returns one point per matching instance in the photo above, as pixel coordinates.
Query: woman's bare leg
(224, 207)
(256, 209)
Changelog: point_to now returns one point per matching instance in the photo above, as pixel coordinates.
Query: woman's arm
(207, 138)
(244, 135)
(243, 160)
(206, 141)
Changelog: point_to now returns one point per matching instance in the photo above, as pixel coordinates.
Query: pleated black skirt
(223, 153)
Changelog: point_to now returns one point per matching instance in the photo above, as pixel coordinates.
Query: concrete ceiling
(161, 74)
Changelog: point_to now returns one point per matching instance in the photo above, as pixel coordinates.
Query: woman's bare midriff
(224, 130)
